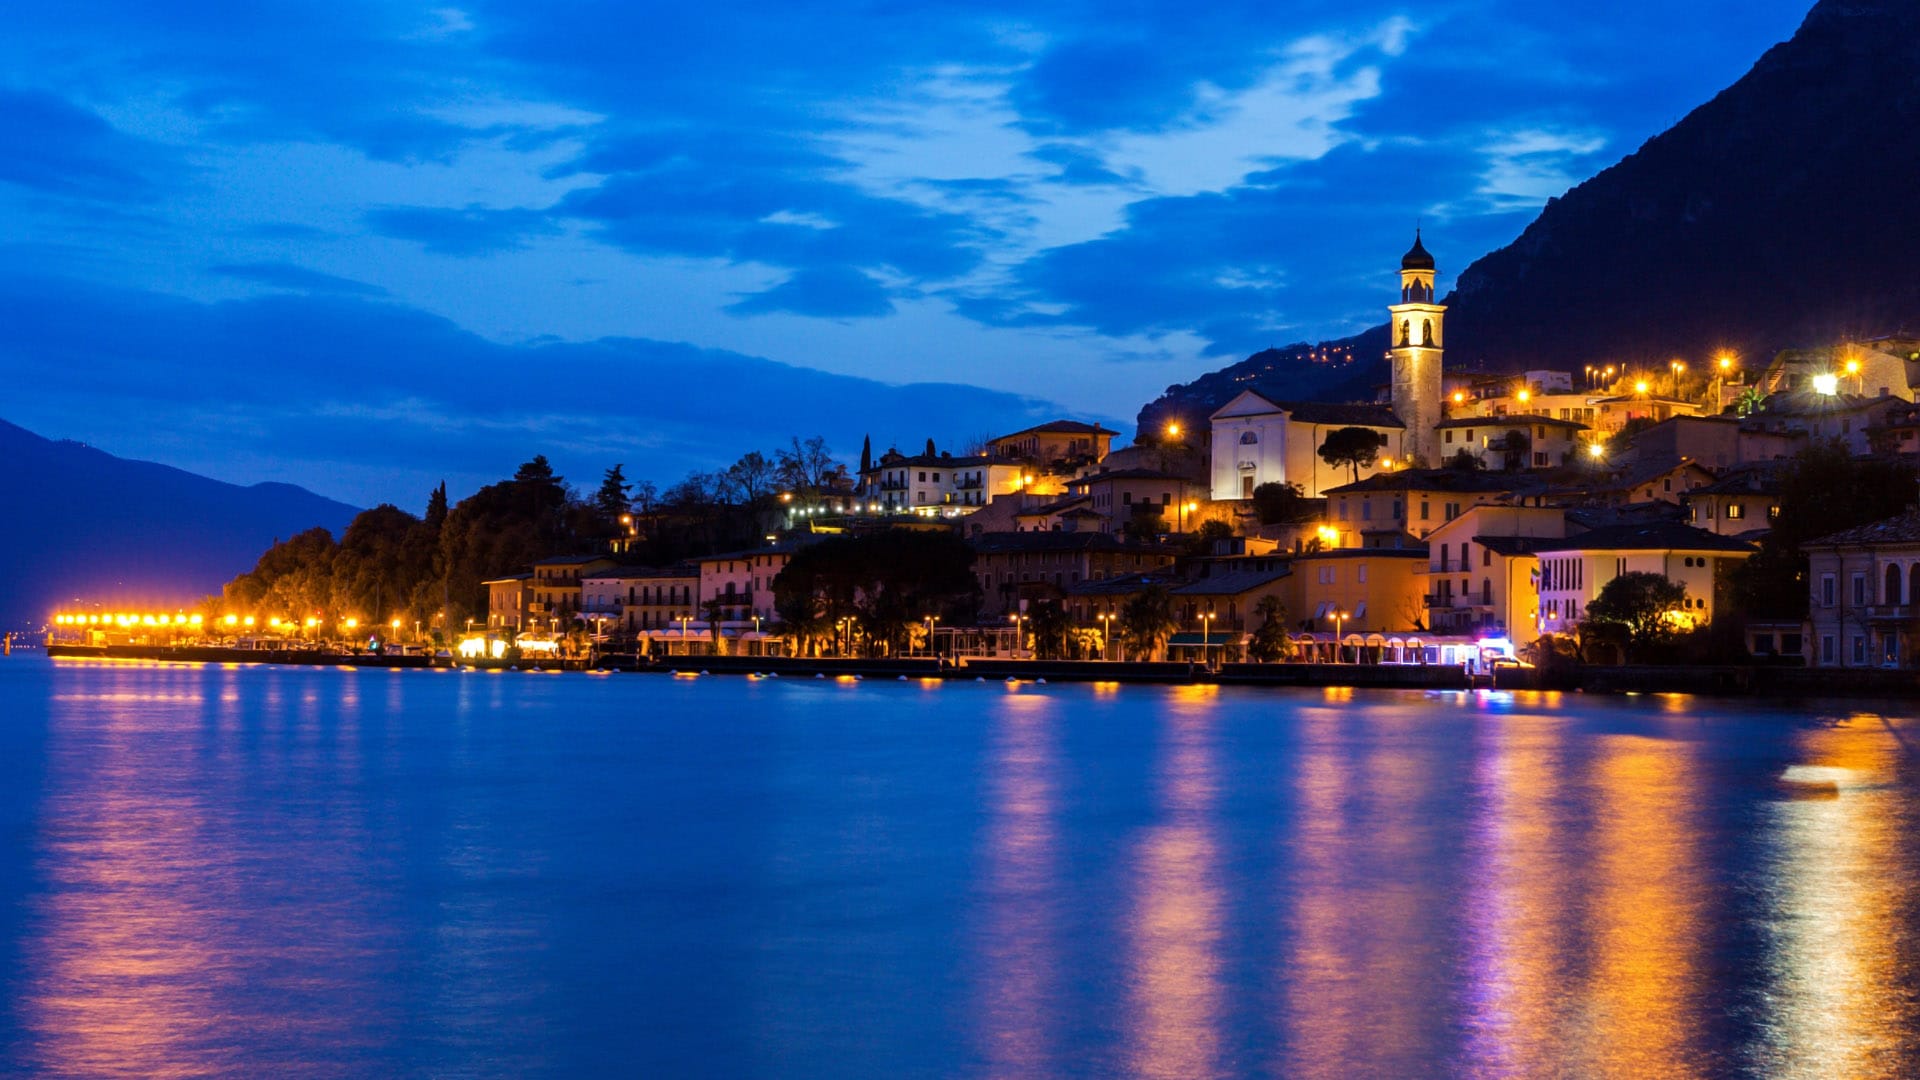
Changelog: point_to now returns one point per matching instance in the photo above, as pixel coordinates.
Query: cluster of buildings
(1493, 513)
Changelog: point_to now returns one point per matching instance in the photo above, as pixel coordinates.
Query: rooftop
(1455, 480)
(1516, 419)
(1059, 427)
(1232, 582)
(994, 543)
(1904, 529)
(1654, 536)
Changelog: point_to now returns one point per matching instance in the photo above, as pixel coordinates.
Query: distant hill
(83, 523)
(1335, 371)
(1779, 214)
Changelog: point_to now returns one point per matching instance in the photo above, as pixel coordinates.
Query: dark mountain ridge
(1780, 214)
(82, 524)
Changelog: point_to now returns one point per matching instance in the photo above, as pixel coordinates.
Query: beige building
(1481, 569)
(1413, 501)
(1542, 443)
(661, 599)
(507, 600)
(1360, 590)
(1124, 495)
(942, 485)
(1575, 569)
(556, 589)
(1055, 444)
(1864, 595)
(1743, 502)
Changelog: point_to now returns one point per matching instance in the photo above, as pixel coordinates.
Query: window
(1246, 487)
(1859, 589)
(1423, 509)
(1449, 434)
(1859, 649)
(1826, 596)
(1735, 511)
(923, 476)
(1773, 512)
(1360, 573)
(1248, 438)
(1486, 556)
(1366, 509)
(1826, 649)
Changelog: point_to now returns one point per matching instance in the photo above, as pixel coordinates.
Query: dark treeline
(390, 564)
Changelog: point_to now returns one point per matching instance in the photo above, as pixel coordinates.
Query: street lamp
(931, 620)
(1206, 636)
(1185, 509)
(1339, 616)
(1017, 637)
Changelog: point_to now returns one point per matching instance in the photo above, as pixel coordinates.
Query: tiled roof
(1760, 478)
(1657, 536)
(1057, 506)
(937, 461)
(569, 560)
(1512, 545)
(1904, 529)
(1516, 420)
(1128, 474)
(1120, 586)
(1013, 542)
(1232, 582)
(1323, 412)
(1059, 427)
(1456, 480)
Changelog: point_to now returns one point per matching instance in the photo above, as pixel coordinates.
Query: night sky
(363, 247)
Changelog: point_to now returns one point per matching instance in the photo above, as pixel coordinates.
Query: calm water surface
(284, 872)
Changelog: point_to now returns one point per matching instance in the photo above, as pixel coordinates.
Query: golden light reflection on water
(1840, 951)
(1522, 889)
(1020, 945)
(1638, 1010)
(1174, 992)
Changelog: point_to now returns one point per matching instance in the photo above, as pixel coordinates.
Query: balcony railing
(1893, 612)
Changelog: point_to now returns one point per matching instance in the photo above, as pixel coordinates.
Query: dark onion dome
(1417, 259)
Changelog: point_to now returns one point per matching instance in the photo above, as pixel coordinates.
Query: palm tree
(712, 609)
(1049, 626)
(1270, 641)
(1147, 619)
(1749, 401)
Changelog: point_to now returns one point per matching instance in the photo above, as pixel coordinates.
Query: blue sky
(362, 247)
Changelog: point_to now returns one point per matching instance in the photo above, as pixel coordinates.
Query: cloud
(837, 292)
(464, 233)
(373, 401)
(51, 145)
(297, 278)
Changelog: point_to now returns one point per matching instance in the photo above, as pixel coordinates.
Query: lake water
(316, 872)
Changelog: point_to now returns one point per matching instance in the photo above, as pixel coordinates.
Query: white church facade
(1256, 440)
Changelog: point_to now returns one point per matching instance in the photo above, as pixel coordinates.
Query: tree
(1354, 447)
(1051, 628)
(1750, 401)
(887, 580)
(1516, 450)
(750, 481)
(1824, 490)
(1200, 542)
(613, 500)
(436, 515)
(931, 451)
(1641, 606)
(1270, 641)
(866, 454)
(1463, 460)
(1277, 503)
(805, 467)
(1148, 621)
(714, 610)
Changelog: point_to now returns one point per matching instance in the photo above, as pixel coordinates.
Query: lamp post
(931, 620)
(1185, 509)
(1206, 638)
(1106, 633)
(1339, 616)
(1017, 640)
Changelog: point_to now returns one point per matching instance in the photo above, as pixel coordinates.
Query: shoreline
(1726, 682)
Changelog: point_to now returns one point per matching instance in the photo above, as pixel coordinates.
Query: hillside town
(1601, 515)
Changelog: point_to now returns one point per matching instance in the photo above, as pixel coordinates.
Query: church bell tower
(1417, 340)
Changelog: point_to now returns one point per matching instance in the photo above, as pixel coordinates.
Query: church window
(1406, 331)
(1426, 332)
(1248, 438)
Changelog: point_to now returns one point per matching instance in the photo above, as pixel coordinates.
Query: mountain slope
(85, 524)
(1780, 213)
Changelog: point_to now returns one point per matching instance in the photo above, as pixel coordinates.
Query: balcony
(1893, 612)
(972, 483)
